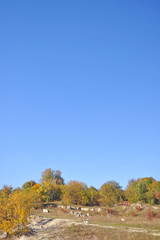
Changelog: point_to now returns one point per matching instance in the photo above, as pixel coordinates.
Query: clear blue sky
(79, 90)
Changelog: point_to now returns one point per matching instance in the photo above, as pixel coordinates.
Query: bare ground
(58, 229)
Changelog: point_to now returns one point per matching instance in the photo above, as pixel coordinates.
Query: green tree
(142, 189)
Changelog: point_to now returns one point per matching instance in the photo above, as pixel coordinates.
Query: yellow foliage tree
(15, 209)
(50, 191)
(13, 213)
(110, 193)
(76, 193)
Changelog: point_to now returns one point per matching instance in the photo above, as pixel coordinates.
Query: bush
(150, 215)
(112, 212)
(73, 227)
(133, 214)
(15, 210)
(13, 213)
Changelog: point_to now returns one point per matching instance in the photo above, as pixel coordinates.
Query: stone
(45, 210)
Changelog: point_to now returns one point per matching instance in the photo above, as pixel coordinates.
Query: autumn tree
(58, 177)
(14, 211)
(110, 193)
(29, 184)
(93, 196)
(154, 192)
(17, 190)
(6, 191)
(130, 193)
(76, 193)
(50, 183)
(143, 189)
(50, 191)
(52, 176)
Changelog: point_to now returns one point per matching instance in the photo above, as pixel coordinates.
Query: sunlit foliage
(16, 204)
(50, 183)
(52, 176)
(76, 193)
(110, 193)
(143, 189)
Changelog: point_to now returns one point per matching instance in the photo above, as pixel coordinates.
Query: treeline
(16, 204)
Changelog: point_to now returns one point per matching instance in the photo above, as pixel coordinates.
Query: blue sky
(79, 90)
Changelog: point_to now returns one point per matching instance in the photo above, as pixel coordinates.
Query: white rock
(155, 207)
(4, 235)
(45, 210)
(99, 210)
(85, 209)
(85, 221)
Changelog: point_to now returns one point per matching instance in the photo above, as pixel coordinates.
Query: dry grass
(80, 232)
(121, 229)
(114, 220)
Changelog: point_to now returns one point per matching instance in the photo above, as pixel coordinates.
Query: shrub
(150, 215)
(13, 213)
(112, 212)
(133, 214)
(157, 215)
(15, 210)
(73, 227)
